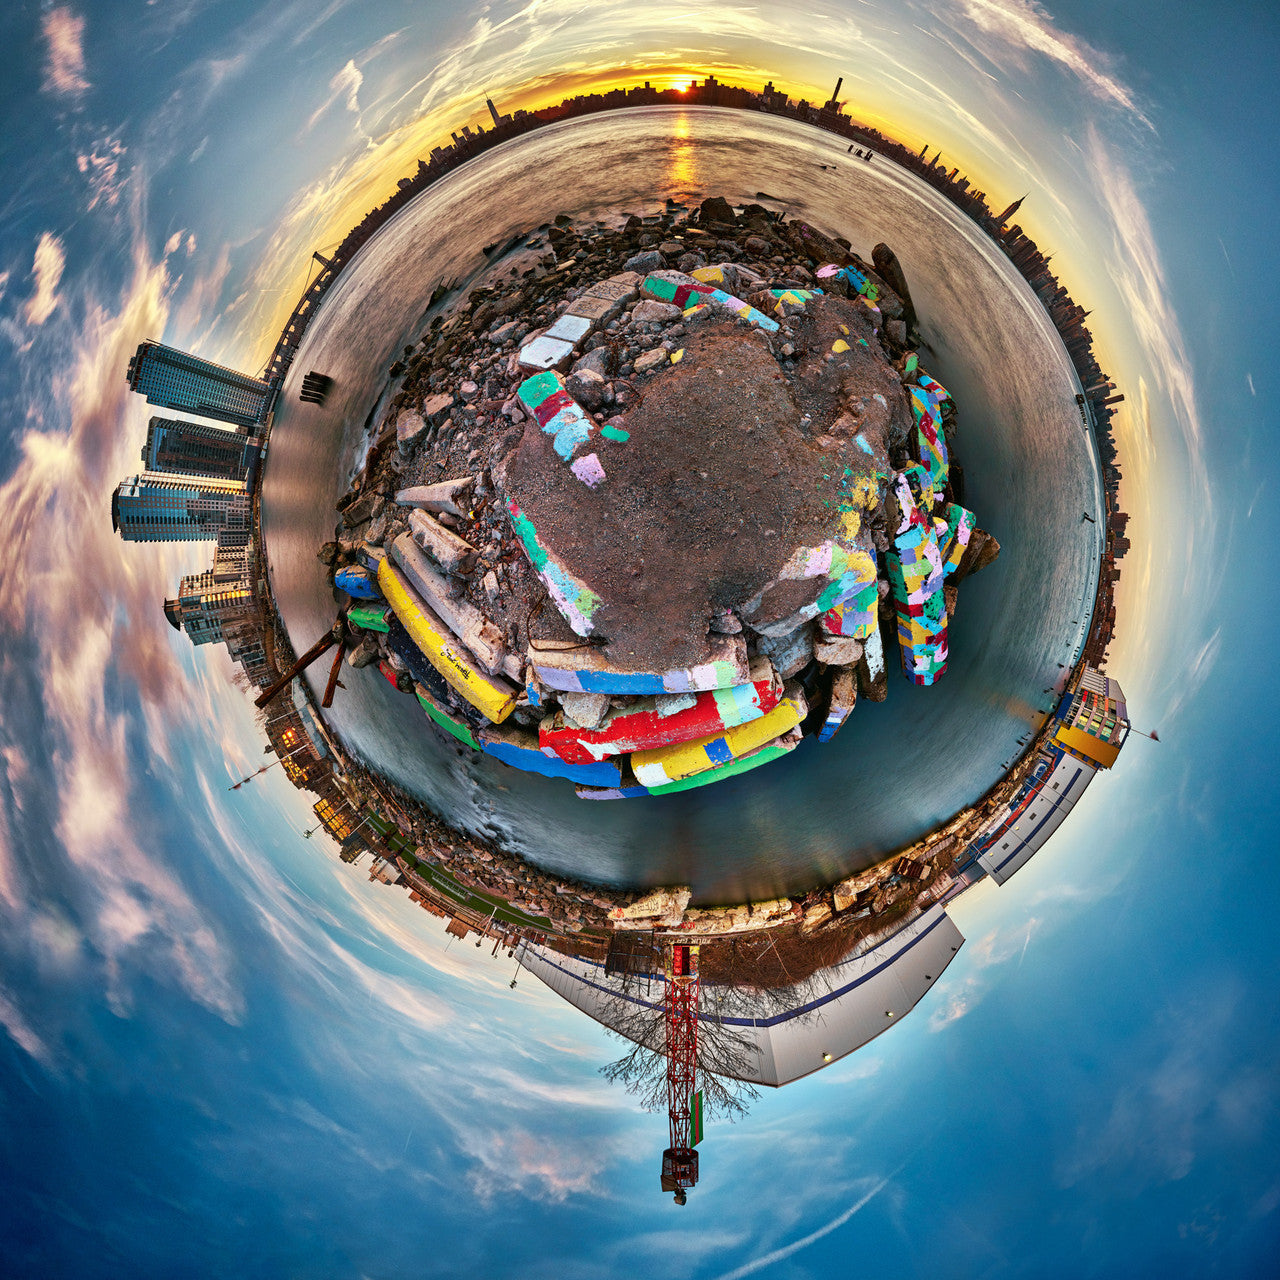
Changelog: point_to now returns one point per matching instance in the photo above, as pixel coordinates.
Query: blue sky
(221, 1048)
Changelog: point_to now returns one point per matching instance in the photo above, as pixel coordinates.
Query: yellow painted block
(839, 345)
(492, 697)
(683, 759)
(677, 356)
(1103, 753)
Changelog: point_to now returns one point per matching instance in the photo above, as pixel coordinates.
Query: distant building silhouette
(165, 507)
(173, 379)
(198, 449)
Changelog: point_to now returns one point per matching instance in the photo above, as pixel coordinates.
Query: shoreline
(817, 908)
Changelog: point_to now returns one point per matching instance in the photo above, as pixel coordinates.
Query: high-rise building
(156, 507)
(208, 611)
(173, 379)
(198, 449)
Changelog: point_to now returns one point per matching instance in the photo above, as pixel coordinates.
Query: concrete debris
(713, 474)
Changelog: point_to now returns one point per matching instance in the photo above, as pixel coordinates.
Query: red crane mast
(680, 1160)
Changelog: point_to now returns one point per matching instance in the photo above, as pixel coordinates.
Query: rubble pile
(636, 516)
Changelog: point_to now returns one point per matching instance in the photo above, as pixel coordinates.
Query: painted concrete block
(441, 715)
(766, 754)
(485, 641)
(519, 748)
(671, 763)
(575, 600)
(577, 669)
(490, 695)
(649, 723)
(844, 697)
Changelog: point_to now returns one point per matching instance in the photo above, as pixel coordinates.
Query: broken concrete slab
(570, 328)
(600, 311)
(546, 353)
(455, 554)
(449, 497)
(463, 619)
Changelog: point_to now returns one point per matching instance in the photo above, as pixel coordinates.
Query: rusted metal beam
(326, 642)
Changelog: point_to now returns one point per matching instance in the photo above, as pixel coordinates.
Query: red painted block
(552, 405)
(639, 727)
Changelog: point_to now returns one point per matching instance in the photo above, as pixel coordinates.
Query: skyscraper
(198, 449)
(159, 507)
(207, 611)
(173, 379)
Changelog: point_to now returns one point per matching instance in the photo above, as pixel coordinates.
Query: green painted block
(533, 391)
(369, 618)
(615, 433)
(664, 289)
(449, 724)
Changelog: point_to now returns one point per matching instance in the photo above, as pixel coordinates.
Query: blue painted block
(604, 774)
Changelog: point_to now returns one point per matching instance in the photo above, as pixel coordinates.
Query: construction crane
(684, 1103)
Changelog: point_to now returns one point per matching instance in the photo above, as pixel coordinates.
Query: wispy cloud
(960, 994)
(101, 165)
(64, 51)
(781, 1255)
(1026, 25)
(343, 87)
(46, 273)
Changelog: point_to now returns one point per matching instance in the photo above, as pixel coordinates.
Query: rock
(667, 905)
(896, 331)
(980, 552)
(586, 710)
(788, 653)
(436, 408)
(651, 312)
(491, 587)
(410, 429)
(758, 245)
(328, 553)
(651, 360)
(504, 333)
(365, 653)
(650, 260)
(716, 209)
(469, 392)
(837, 651)
(816, 915)
(588, 388)
(725, 624)
(597, 361)
(359, 510)
(671, 248)
(846, 893)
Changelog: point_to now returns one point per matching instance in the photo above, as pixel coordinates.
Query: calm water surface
(897, 768)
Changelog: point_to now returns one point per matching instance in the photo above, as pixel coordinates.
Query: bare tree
(726, 1051)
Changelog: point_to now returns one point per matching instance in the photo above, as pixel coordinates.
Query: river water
(1031, 470)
